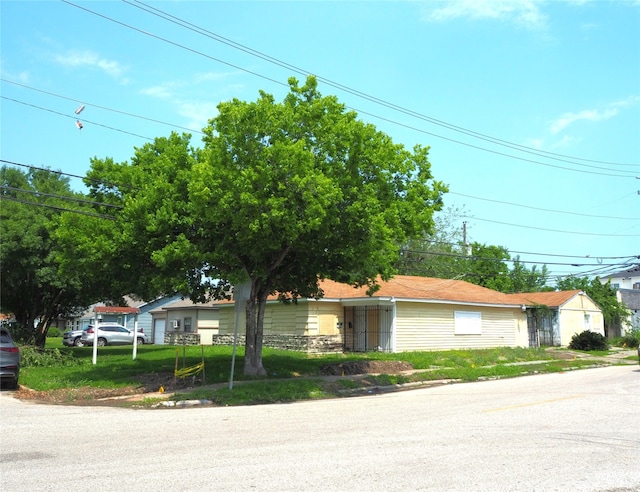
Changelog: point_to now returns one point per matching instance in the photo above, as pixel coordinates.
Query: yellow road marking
(532, 404)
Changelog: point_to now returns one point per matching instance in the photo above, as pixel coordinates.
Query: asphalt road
(574, 431)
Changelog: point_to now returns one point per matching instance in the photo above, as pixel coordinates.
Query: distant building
(631, 299)
(626, 279)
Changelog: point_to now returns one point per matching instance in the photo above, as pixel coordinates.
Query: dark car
(9, 360)
(72, 338)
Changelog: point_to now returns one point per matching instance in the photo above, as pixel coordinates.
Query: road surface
(573, 431)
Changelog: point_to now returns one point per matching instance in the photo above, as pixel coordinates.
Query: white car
(112, 334)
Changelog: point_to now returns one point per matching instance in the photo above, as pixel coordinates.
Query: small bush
(588, 340)
(54, 332)
(630, 339)
(34, 357)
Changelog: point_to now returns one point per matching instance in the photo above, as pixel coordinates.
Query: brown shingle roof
(404, 287)
(422, 288)
(550, 299)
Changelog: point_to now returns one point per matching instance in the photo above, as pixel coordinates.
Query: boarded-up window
(468, 323)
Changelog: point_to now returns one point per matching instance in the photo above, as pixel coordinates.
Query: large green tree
(33, 289)
(281, 195)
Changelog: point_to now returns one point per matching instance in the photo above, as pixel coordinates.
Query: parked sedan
(9, 360)
(112, 334)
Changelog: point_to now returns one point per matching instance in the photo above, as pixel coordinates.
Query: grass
(292, 376)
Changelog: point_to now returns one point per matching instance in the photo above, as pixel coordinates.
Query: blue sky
(531, 108)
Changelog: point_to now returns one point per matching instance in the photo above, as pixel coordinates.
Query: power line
(74, 117)
(61, 197)
(62, 209)
(216, 37)
(626, 257)
(374, 100)
(94, 105)
(552, 230)
(369, 114)
(501, 260)
(60, 173)
(543, 209)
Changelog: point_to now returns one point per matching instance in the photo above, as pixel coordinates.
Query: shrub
(588, 340)
(54, 332)
(631, 339)
(34, 357)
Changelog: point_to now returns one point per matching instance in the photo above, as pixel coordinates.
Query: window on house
(615, 286)
(467, 323)
(587, 321)
(187, 324)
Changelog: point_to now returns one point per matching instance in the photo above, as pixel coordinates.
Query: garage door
(158, 331)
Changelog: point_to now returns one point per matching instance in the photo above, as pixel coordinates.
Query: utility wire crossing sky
(531, 108)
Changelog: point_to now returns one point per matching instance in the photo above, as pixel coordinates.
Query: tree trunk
(41, 331)
(254, 330)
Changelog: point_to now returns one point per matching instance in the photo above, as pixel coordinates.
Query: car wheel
(13, 385)
(101, 342)
(78, 342)
(140, 341)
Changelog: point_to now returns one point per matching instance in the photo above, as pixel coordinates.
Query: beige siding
(573, 318)
(206, 335)
(282, 319)
(324, 318)
(226, 323)
(423, 326)
(208, 319)
(290, 319)
(522, 329)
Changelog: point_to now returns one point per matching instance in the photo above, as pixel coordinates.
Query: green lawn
(292, 375)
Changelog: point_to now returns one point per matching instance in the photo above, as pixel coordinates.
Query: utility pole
(464, 239)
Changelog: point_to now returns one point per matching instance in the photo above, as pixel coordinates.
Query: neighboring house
(631, 299)
(626, 279)
(554, 317)
(121, 317)
(405, 314)
(184, 318)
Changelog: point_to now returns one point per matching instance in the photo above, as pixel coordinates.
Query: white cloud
(159, 91)
(91, 59)
(564, 142)
(609, 111)
(194, 98)
(536, 143)
(197, 113)
(522, 12)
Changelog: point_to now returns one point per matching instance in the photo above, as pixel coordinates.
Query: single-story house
(554, 317)
(183, 319)
(123, 317)
(407, 313)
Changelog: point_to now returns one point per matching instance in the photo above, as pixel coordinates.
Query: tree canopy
(282, 194)
(33, 288)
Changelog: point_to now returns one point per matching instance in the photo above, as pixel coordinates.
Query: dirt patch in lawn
(145, 383)
(366, 367)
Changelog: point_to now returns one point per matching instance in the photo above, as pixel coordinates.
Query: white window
(468, 323)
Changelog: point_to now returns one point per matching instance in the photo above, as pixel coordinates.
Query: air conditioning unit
(176, 324)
